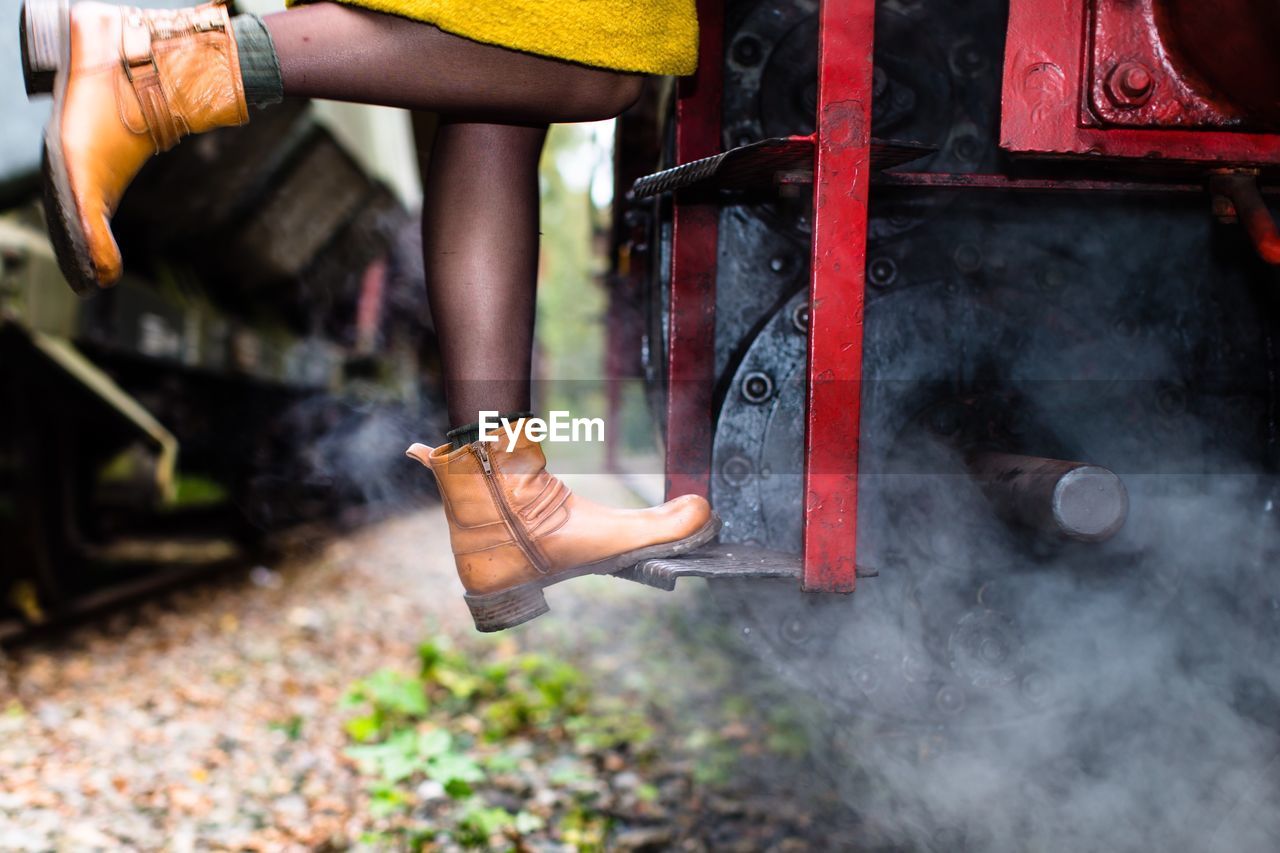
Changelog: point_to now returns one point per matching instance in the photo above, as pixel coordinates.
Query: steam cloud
(995, 691)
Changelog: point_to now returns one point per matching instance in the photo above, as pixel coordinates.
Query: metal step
(736, 562)
(759, 165)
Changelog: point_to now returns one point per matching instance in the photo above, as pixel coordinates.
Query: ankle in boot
(515, 529)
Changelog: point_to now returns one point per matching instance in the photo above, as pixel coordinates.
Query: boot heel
(42, 28)
(498, 611)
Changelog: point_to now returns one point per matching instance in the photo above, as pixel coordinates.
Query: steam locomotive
(963, 314)
(252, 374)
(968, 307)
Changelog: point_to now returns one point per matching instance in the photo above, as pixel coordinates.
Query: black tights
(480, 207)
(480, 247)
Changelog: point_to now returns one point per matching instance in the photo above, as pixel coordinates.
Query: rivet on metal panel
(757, 387)
(736, 470)
(747, 51)
(950, 699)
(800, 318)
(1130, 84)
(882, 272)
(968, 258)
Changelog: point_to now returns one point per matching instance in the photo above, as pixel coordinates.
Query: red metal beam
(842, 177)
(1004, 183)
(695, 230)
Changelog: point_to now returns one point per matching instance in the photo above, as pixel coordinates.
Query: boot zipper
(517, 529)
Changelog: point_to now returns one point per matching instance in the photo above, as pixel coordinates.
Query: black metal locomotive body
(255, 370)
(995, 686)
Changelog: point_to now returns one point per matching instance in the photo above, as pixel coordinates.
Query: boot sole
(45, 38)
(497, 611)
(40, 37)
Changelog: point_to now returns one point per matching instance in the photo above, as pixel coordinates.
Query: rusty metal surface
(846, 33)
(1057, 74)
(691, 329)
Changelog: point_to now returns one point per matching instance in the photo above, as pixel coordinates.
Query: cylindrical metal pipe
(1240, 188)
(1072, 499)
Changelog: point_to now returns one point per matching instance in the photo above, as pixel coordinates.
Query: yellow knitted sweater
(647, 36)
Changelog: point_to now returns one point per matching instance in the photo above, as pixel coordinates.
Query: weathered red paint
(1124, 37)
(1059, 67)
(842, 177)
(695, 230)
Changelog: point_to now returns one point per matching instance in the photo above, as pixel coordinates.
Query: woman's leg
(327, 50)
(131, 83)
(514, 528)
(480, 246)
(480, 206)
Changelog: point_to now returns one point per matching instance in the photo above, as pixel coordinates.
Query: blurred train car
(970, 309)
(254, 371)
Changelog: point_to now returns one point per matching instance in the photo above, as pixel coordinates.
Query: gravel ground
(211, 718)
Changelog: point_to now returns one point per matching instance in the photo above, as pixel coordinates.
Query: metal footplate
(761, 164)
(736, 562)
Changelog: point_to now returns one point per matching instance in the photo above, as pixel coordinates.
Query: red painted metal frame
(1004, 183)
(1047, 76)
(695, 232)
(842, 178)
(1125, 33)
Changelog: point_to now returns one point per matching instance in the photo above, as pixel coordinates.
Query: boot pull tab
(420, 452)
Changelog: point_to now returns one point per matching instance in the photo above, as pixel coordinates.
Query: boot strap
(138, 33)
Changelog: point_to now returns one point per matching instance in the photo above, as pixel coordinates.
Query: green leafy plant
(292, 727)
(464, 719)
(482, 747)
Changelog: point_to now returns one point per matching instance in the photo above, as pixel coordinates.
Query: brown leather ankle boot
(516, 529)
(127, 84)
